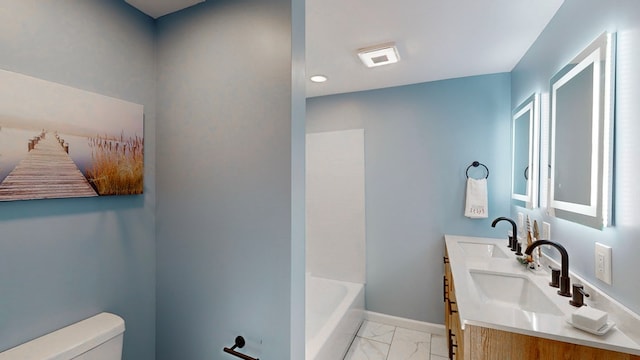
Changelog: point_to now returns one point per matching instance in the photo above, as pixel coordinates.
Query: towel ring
(476, 164)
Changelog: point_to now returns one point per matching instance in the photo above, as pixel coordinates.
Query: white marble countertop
(473, 310)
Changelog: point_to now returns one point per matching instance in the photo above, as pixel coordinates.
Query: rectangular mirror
(525, 153)
(581, 132)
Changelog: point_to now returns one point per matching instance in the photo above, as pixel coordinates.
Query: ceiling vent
(379, 55)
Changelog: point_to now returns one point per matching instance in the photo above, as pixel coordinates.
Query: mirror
(524, 155)
(581, 133)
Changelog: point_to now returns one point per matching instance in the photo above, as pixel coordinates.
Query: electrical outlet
(546, 231)
(603, 263)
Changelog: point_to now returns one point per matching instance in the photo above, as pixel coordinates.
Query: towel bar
(239, 343)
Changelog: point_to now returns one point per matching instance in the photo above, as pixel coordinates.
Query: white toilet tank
(96, 338)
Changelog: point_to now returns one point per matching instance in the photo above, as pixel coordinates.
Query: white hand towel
(476, 205)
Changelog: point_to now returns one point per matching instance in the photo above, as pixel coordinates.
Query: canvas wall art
(57, 141)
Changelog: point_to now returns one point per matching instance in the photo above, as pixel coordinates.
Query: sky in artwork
(28, 102)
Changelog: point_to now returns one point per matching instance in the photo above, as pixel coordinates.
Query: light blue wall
(419, 140)
(226, 229)
(575, 25)
(64, 260)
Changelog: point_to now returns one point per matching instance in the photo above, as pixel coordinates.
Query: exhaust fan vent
(378, 55)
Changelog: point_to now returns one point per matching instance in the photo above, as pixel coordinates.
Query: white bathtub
(334, 312)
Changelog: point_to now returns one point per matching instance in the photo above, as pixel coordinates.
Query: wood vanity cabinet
(481, 343)
(452, 320)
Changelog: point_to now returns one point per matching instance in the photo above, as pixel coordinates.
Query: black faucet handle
(578, 295)
(519, 249)
(555, 278)
(580, 289)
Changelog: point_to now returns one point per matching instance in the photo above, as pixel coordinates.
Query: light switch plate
(603, 263)
(546, 231)
(520, 220)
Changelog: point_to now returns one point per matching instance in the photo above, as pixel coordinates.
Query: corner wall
(67, 259)
(229, 127)
(419, 140)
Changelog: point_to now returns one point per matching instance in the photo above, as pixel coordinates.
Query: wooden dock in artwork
(46, 172)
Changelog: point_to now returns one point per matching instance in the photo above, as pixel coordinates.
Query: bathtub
(334, 312)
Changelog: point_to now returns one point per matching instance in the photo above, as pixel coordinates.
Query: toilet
(96, 338)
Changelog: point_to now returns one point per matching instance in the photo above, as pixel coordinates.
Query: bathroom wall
(419, 140)
(230, 206)
(575, 25)
(67, 259)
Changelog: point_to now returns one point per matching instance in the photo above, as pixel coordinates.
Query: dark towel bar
(239, 344)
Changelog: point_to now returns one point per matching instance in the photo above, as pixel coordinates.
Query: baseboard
(437, 329)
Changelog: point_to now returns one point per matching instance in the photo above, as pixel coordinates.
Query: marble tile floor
(376, 341)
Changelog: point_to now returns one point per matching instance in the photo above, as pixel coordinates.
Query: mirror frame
(530, 107)
(597, 213)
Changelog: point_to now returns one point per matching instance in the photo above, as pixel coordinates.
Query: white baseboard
(437, 329)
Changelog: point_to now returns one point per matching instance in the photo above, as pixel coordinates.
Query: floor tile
(439, 346)
(376, 331)
(365, 349)
(409, 345)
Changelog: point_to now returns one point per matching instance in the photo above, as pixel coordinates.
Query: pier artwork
(105, 135)
(47, 171)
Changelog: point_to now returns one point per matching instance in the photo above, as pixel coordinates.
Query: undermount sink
(513, 291)
(482, 250)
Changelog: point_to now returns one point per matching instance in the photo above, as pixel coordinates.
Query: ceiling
(158, 8)
(435, 39)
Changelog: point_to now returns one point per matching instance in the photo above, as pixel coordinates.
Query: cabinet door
(456, 351)
(452, 320)
(492, 344)
(445, 290)
(446, 286)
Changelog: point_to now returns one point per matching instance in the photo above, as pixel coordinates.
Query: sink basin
(482, 250)
(513, 291)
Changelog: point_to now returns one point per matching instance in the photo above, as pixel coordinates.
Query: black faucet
(564, 271)
(513, 240)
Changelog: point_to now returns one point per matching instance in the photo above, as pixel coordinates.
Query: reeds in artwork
(117, 166)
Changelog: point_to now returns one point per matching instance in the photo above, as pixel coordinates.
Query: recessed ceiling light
(318, 78)
(378, 55)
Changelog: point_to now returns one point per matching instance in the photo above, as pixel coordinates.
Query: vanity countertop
(473, 310)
